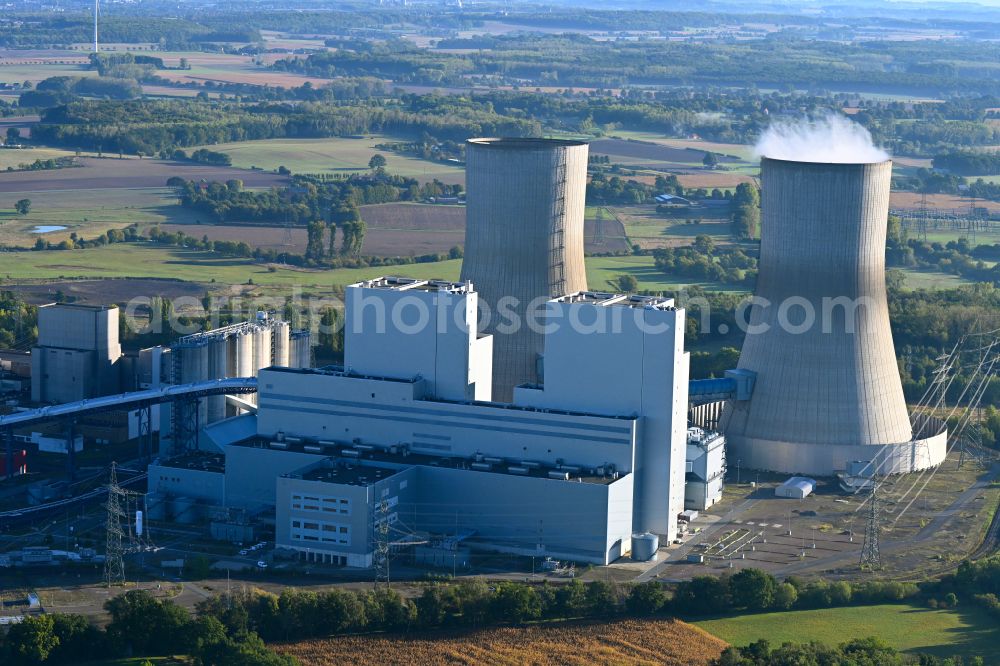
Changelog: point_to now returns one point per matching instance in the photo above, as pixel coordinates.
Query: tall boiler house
(523, 242)
(827, 388)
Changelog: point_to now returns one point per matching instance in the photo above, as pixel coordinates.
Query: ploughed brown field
(393, 230)
(111, 172)
(669, 642)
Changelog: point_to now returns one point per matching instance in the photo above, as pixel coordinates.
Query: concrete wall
(251, 473)
(79, 327)
(832, 382)
(62, 375)
(585, 522)
(77, 353)
(191, 483)
(626, 360)
(415, 333)
(344, 515)
(338, 407)
(523, 239)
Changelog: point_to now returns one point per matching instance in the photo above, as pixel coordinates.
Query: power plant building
(525, 204)
(77, 354)
(827, 388)
(571, 469)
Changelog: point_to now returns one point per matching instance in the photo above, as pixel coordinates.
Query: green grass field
(336, 155)
(14, 158)
(88, 212)
(603, 271)
(36, 73)
(131, 260)
(967, 631)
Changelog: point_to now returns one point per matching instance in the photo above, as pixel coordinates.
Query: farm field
(394, 230)
(648, 229)
(111, 173)
(17, 69)
(88, 213)
(968, 632)
(12, 159)
(737, 150)
(667, 642)
(335, 155)
(128, 260)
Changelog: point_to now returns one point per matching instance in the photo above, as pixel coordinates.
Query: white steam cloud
(831, 138)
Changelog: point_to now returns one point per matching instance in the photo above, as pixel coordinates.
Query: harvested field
(99, 292)
(110, 172)
(939, 202)
(645, 151)
(396, 230)
(712, 179)
(625, 641)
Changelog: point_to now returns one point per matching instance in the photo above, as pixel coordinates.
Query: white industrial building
(237, 350)
(405, 432)
(77, 353)
(706, 469)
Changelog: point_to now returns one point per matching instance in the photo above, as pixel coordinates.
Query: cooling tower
(523, 241)
(827, 389)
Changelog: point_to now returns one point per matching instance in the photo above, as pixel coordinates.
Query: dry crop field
(668, 642)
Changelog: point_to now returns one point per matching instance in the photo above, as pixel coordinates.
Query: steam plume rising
(830, 138)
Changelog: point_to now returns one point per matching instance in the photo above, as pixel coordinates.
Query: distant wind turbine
(97, 9)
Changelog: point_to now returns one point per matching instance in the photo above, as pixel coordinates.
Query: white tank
(300, 355)
(261, 349)
(280, 331)
(244, 355)
(217, 362)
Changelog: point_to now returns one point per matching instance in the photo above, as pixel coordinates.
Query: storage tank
(300, 355)
(217, 362)
(156, 506)
(281, 343)
(194, 367)
(184, 510)
(261, 348)
(827, 386)
(245, 354)
(644, 546)
(523, 240)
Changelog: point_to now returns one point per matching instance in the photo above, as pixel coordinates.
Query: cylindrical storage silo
(193, 369)
(261, 349)
(300, 355)
(523, 240)
(217, 361)
(245, 354)
(827, 386)
(644, 546)
(280, 333)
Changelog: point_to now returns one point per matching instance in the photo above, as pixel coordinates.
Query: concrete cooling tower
(523, 240)
(827, 387)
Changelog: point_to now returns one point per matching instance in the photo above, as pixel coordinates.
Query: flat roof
(393, 283)
(204, 462)
(606, 299)
(345, 473)
(401, 456)
(79, 306)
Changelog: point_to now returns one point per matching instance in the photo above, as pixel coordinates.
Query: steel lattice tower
(870, 556)
(381, 550)
(114, 559)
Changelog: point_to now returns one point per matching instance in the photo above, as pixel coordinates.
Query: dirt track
(110, 172)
